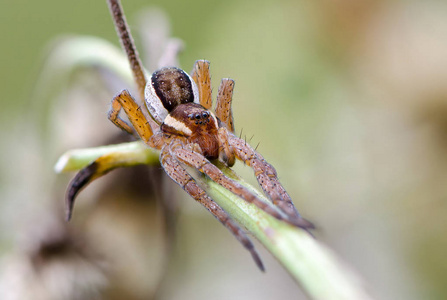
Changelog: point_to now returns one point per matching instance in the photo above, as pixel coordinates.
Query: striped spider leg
(232, 146)
(187, 132)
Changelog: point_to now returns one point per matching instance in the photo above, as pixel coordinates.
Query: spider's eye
(166, 89)
(205, 115)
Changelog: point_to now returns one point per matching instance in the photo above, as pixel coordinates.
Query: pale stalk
(315, 267)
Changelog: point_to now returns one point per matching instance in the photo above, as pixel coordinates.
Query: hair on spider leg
(249, 140)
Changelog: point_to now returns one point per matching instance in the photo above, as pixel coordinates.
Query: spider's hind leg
(173, 168)
(139, 122)
(108, 162)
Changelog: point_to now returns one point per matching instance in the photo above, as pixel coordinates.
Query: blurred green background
(348, 100)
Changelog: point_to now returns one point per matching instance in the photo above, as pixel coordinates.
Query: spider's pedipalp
(177, 173)
(187, 155)
(226, 153)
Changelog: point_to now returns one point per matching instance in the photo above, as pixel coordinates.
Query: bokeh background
(348, 100)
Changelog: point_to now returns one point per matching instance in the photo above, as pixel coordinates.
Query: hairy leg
(201, 75)
(224, 100)
(187, 182)
(187, 155)
(266, 176)
(139, 122)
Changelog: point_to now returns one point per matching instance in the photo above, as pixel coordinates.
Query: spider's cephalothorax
(172, 96)
(197, 124)
(187, 132)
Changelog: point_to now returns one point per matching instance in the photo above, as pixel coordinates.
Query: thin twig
(123, 30)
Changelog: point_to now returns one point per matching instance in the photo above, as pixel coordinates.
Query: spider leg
(174, 170)
(192, 158)
(266, 176)
(94, 170)
(224, 113)
(223, 105)
(201, 75)
(139, 122)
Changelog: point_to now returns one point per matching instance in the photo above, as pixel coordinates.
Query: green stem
(77, 159)
(311, 264)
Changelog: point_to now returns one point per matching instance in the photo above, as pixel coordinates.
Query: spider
(188, 132)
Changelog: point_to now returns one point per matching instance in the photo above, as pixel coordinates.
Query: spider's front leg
(187, 155)
(266, 176)
(201, 76)
(173, 168)
(233, 147)
(223, 104)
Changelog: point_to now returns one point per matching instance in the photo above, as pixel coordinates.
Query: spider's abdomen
(172, 86)
(166, 89)
(197, 124)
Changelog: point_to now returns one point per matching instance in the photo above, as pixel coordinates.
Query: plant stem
(135, 152)
(315, 267)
